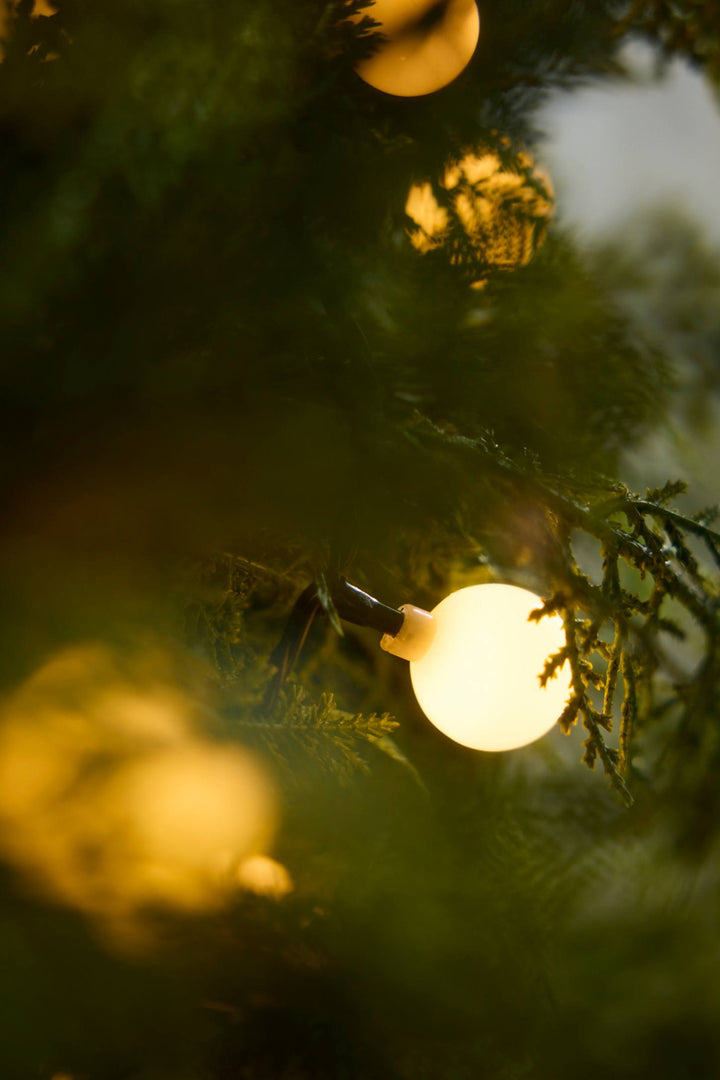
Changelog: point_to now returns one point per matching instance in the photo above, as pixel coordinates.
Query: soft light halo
(479, 683)
(420, 54)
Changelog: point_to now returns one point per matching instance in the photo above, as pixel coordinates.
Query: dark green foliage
(690, 28)
(227, 377)
(665, 275)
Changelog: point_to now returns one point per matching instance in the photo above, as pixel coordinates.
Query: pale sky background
(615, 147)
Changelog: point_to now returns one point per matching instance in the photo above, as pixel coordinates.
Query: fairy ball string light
(425, 44)
(475, 665)
(488, 211)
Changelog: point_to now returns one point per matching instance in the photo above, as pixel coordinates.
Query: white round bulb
(479, 682)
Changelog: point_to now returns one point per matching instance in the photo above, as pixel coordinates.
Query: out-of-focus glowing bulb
(477, 680)
(427, 44)
(265, 877)
(115, 800)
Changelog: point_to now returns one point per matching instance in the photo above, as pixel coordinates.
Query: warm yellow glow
(264, 877)
(478, 683)
(428, 43)
(432, 220)
(112, 796)
(177, 811)
(475, 169)
(490, 210)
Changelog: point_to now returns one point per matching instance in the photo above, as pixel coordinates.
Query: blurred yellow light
(113, 799)
(427, 44)
(264, 877)
(186, 804)
(432, 219)
(489, 210)
(478, 682)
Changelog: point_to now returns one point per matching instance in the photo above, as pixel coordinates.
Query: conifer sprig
(654, 586)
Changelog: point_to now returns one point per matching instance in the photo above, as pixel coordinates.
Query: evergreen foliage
(228, 377)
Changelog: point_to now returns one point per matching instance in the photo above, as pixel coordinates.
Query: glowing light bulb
(478, 680)
(427, 44)
(265, 877)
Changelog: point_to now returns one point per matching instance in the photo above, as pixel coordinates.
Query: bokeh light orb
(115, 799)
(479, 682)
(488, 211)
(428, 43)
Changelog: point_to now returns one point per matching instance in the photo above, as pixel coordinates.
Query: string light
(475, 660)
(475, 663)
(426, 44)
(488, 211)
